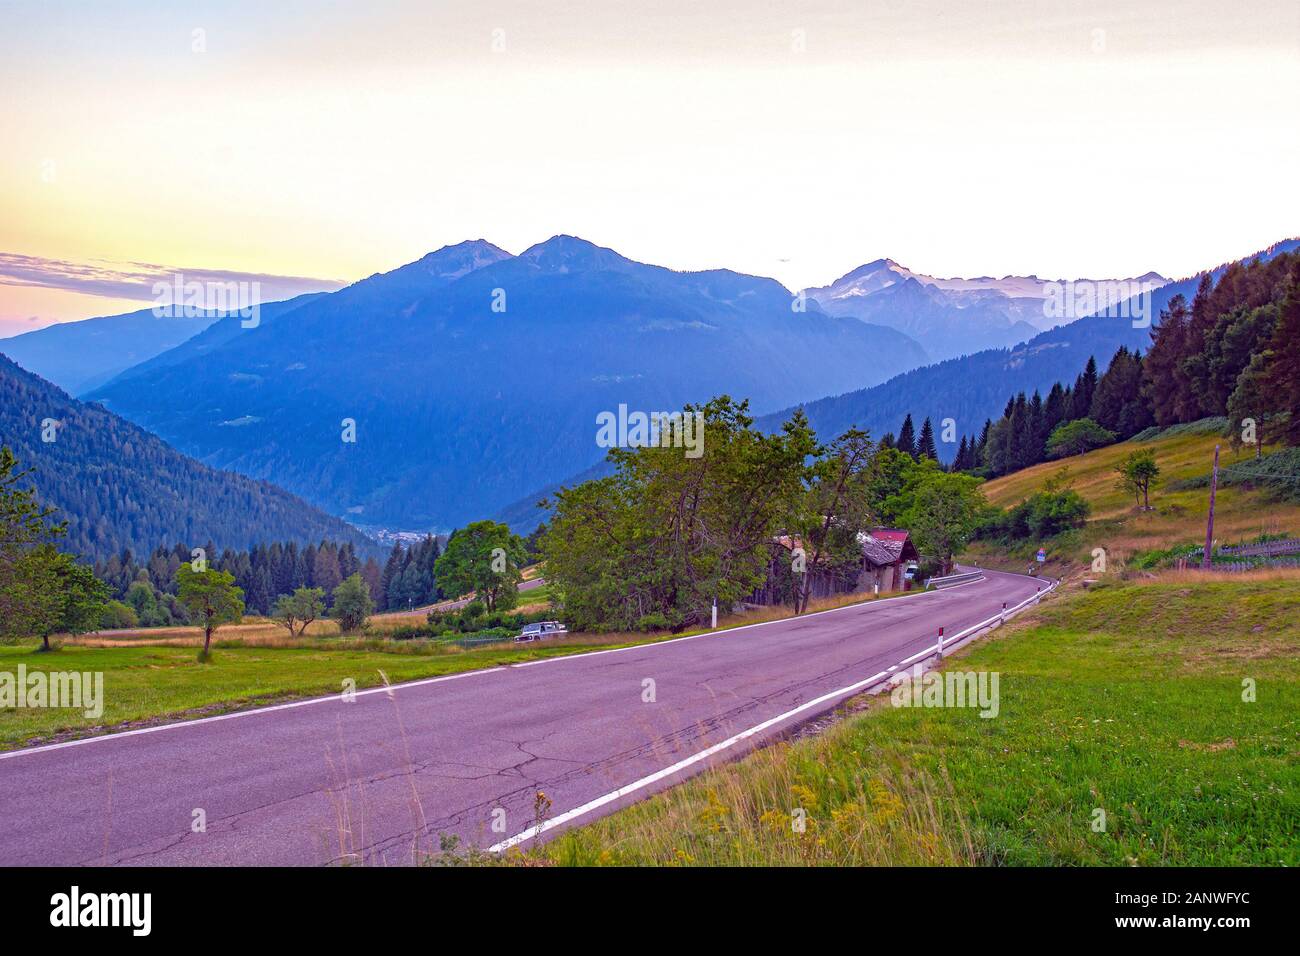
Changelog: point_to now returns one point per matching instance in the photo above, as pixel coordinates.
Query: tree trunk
(1146, 498)
(207, 640)
(45, 642)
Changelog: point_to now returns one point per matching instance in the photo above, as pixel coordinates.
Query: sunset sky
(309, 144)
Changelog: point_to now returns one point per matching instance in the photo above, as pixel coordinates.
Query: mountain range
(953, 317)
(473, 376)
(468, 382)
(976, 387)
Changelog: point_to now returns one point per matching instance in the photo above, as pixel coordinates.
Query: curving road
(378, 779)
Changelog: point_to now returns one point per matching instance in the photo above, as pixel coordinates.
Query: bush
(352, 604)
(118, 615)
(466, 621)
(652, 622)
(1042, 515)
(1078, 437)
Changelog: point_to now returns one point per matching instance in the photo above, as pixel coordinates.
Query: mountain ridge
(468, 392)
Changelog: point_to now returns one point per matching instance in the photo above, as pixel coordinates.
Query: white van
(535, 632)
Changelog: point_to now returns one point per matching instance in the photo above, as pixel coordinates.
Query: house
(882, 567)
(886, 555)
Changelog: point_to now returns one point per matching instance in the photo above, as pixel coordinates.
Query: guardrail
(951, 579)
(995, 621)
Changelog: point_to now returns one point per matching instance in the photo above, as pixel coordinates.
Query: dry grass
(788, 805)
(1120, 527)
(324, 634)
(1198, 578)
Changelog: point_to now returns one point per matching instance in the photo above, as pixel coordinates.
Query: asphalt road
(379, 778)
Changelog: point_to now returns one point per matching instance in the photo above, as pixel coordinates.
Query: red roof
(889, 534)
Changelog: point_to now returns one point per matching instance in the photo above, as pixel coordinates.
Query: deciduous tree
(211, 598)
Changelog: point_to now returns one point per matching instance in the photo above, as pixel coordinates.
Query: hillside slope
(1184, 453)
(120, 487)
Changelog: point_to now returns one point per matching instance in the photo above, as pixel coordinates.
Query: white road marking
(658, 775)
(239, 713)
(81, 741)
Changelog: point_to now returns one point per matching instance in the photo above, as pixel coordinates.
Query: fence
(1235, 566)
(1267, 549)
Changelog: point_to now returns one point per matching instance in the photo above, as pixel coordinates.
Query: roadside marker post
(940, 643)
(714, 625)
(1206, 559)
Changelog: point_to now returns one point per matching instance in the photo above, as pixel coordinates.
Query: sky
(304, 145)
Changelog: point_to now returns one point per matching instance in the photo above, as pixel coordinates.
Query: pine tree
(906, 438)
(260, 596)
(925, 447)
(1281, 366)
(1167, 387)
(983, 443)
(392, 568)
(1037, 424)
(1084, 386)
(325, 572)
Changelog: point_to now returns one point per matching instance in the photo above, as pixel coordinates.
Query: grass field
(1127, 698)
(156, 675)
(1118, 526)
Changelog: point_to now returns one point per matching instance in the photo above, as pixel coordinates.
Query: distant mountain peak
(871, 277)
(564, 253)
(454, 261)
(440, 267)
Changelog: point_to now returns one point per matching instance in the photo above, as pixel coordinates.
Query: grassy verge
(1125, 698)
(156, 677)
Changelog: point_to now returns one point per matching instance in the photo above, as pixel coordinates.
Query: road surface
(378, 779)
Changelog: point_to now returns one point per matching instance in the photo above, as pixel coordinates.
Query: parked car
(535, 632)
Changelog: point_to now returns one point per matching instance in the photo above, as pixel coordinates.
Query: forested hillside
(120, 487)
(1233, 353)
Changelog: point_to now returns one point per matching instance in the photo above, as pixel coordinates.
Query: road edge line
(643, 782)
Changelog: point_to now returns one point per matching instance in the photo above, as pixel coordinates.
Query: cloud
(135, 280)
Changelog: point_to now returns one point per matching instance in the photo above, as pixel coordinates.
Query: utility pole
(1209, 526)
